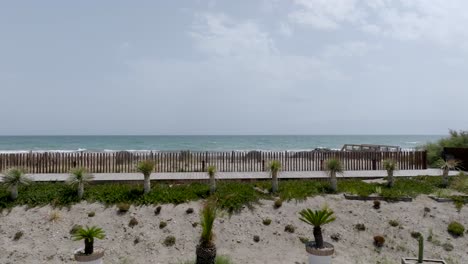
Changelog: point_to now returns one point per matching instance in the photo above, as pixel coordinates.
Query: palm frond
(145, 167)
(317, 218)
(15, 177)
(89, 233)
(274, 166)
(78, 176)
(334, 165)
(211, 171)
(389, 164)
(449, 164)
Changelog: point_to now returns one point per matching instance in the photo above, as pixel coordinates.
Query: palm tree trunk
(333, 181)
(390, 179)
(80, 190)
(274, 181)
(445, 177)
(318, 237)
(14, 192)
(212, 184)
(89, 247)
(147, 184)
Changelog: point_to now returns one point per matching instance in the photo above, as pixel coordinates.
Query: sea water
(203, 143)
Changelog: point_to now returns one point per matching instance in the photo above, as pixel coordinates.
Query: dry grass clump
(162, 224)
(133, 222)
(123, 207)
(278, 203)
(54, 216)
(266, 221)
(289, 228)
(169, 241)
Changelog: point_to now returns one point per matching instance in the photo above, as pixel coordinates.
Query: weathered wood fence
(188, 161)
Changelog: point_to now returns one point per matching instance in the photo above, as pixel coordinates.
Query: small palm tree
(390, 166)
(14, 178)
(446, 166)
(317, 219)
(275, 167)
(212, 174)
(206, 249)
(88, 234)
(146, 167)
(79, 177)
(333, 166)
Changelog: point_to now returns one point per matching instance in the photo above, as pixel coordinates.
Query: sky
(233, 67)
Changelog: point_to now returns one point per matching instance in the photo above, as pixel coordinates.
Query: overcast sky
(233, 67)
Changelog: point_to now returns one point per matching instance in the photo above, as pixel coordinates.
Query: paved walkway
(181, 176)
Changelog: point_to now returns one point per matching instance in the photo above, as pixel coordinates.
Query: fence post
(374, 164)
(203, 165)
(263, 165)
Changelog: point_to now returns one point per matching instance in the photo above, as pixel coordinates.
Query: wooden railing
(187, 161)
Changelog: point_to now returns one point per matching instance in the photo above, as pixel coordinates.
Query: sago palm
(212, 175)
(146, 167)
(390, 166)
(317, 219)
(275, 167)
(333, 166)
(88, 234)
(14, 178)
(446, 166)
(79, 177)
(206, 249)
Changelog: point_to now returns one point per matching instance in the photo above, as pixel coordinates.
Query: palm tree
(146, 167)
(390, 166)
(317, 219)
(212, 174)
(79, 177)
(333, 166)
(446, 166)
(14, 178)
(88, 234)
(275, 167)
(206, 249)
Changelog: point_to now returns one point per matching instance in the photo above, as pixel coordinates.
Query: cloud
(440, 21)
(349, 49)
(220, 35)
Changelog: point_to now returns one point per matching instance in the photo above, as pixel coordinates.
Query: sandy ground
(47, 241)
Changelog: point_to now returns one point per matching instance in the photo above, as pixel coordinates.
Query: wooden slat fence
(189, 161)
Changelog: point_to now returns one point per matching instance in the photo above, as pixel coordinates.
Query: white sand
(49, 242)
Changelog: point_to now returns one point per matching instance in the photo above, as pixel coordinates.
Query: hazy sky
(233, 67)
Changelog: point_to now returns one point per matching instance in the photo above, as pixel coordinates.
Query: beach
(46, 241)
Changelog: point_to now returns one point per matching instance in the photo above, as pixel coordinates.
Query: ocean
(12, 144)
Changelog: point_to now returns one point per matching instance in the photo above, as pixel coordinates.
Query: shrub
(256, 238)
(157, 211)
(91, 214)
(289, 228)
(415, 234)
(75, 228)
(162, 224)
(455, 139)
(376, 204)
(169, 241)
(267, 221)
(379, 241)
(18, 235)
(447, 246)
(456, 229)
(123, 207)
(133, 222)
(194, 224)
(189, 211)
(278, 203)
(393, 223)
(360, 227)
